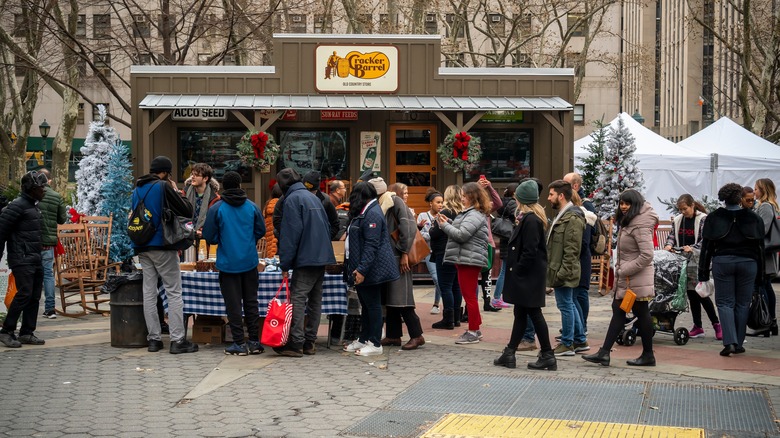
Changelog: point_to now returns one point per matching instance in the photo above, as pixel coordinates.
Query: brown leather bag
(419, 250)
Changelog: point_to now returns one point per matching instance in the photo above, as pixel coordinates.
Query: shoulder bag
(419, 250)
(176, 229)
(501, 227)
(758, 315)
(772, 238)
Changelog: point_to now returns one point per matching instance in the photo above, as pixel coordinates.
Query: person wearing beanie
(526, 281)
(379, 184)
(236, 224)
(159, 260)
(312, 183)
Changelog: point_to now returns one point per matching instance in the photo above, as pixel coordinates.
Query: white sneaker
(435, 310)
(369, 350)
(354, 346)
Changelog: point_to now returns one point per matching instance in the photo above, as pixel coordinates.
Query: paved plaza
(78, 385)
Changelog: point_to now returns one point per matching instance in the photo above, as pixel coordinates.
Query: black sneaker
(289, 351)
(183, 346)
(165, 329)
(9, 340)
(154, 346)
(255, 347)
(31, 339)
(237, 349)
(309, 348)
(50, 314)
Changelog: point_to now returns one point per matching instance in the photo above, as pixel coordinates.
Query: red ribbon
(259, 141)
(461, 146)
(75, 217)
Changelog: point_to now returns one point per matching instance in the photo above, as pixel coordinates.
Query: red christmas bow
(75, 217)
(461, 146)
(259, 141)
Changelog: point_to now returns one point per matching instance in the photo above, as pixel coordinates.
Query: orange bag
(628, 299)
(11, 291)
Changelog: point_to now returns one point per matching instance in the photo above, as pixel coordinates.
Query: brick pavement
(78, 385)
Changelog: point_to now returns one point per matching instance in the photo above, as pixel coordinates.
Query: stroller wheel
(681, 336)
(619, 339)
(629, 338)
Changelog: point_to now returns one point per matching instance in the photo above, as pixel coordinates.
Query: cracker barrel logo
(370, 65)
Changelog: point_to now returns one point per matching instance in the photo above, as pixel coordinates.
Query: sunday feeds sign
(356, 69)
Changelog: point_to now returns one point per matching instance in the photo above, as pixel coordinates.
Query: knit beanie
(312, 180)
(231, 180)
(286, 178)
(161, 164)
(527, 193)
(379, 184)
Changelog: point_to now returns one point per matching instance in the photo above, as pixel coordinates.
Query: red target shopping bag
(276, 328)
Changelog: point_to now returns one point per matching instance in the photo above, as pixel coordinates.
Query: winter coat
(270, 239)
(399, 293)
(467, 239)
(738, 232)
(330, 211)
(507, 211)
(52, 208)
(235, 224)
(210, 196)
(698, 224)
(159, 191)
(767, 214)
(438, 237)
(564, 242)
(585, 256)
(526, 264)
(634, 265)
(20, 228)
(304, 238)
(370, 250)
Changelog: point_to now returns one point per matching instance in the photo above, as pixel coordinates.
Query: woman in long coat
(525, 280)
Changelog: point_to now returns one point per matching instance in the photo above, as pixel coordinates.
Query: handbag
(705, 288)
(276, 328)
(758, 316)
(501, 227)
(419, 250)
(10, 293)
(177, 229)
(628, 299)
(772, 238)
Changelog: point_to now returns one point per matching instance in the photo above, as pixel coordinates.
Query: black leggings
(518, 327)
(617, 323)
(697, 302)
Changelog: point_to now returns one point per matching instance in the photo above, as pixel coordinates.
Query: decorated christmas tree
(618, 172)
(93, 166)
(591, 164)
(116, 193)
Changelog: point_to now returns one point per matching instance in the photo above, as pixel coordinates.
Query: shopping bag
(276, 327)
(705, 288)
(11, 291)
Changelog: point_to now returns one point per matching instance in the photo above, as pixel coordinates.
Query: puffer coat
(467, 239)
(20, 227)
(564, 243)
(634, 264)
(52, 208)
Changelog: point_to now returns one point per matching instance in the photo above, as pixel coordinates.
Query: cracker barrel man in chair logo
(356, 69)
(360, 65)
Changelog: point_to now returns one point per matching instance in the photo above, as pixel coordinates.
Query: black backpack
(599, 239)
(140, 228)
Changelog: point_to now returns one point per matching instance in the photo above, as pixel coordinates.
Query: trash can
(128, 326)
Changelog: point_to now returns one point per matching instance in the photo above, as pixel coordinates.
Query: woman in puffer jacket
(467, 247)
(633, 270)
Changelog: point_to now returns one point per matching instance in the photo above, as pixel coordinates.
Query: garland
(460, 151)
(258, 150)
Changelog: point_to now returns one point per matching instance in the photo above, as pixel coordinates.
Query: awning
(355, 102)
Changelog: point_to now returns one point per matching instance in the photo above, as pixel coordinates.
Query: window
(323, 150)
(165, 23)
(103, 64)
(577, 24)
(579, 114)
(454, 59)
(525, 24)
(81, 66)
(298, 23)
(20, 25)
(455, 22)
(101, 26)
(322, 24)
(574, 60)
(229, 59)
(20, 66)
(521, 59)
(492, 60)
(204, 58)
(496, 23)
(506, 155)
(96, 112)
(431, 24)
(81, 25)
(266, 59)
(367, 21)
(141, 27)
(145, 59)
(386, 25)
(80, 116)
(217, 148)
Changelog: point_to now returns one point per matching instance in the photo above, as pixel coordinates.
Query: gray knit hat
(379, 184)
(527, 193)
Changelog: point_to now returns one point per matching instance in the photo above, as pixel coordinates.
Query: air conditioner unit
(296, 18)
(81, 19)
(430, 18)
(495, 18)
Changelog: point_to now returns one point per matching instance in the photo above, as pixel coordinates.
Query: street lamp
(638, 117)
(44, 129)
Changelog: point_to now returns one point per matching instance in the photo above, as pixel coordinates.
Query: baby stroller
(670, 299)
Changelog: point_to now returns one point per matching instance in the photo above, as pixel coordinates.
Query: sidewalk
(77, 384)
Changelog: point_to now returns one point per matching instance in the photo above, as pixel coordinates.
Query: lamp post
(44, 130)
(638, 117)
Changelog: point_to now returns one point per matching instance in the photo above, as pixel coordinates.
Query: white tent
(740, 156)
(669, 169)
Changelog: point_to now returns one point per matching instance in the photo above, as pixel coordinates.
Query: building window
(266, 59)
(81, 66)
(81, 25)
(574, 60)
(454, 21)
(229, 59)
(491, 60)
(323, 150)
(497, 24)
(166, 25)
(454, 59)
(506, 155)
(384, 24)
(525, 23)
(103, 64)
(217, 148)
(141, 27)
(367, 21)
(322, 24)
(298, 23)
(577, 24)
(101, 26)
(145, 59)
(579, 114)
(204, 58)
(96, 112)
(80, 116)
(431, 24)
(521, 59)
(20, 25)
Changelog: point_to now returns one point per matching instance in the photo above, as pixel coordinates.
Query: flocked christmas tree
(618, 172)
(116, 193)
(591, 164)
(93, 166)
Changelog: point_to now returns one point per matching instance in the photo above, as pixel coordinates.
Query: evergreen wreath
(258, 149)
(460, 151)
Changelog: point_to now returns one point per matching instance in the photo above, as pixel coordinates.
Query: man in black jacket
(20, 228)
(312, 183)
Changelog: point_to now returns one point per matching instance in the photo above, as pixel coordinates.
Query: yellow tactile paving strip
(484, 426)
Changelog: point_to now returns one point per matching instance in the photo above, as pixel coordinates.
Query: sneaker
(354, 346)
(563, 350)
(526, 345)
(183, 346)
(50, 314)
(31, 339)
(309, 348)
(154, 346)
(237, 349)
(581, 348)
(499, 303)
(9, 340)
(369, 350)
(165, 329)
(468, 338)
(696, 332)
(290, 351)
(254, 347)
(718, 331)
(558, 338)
(435, 310)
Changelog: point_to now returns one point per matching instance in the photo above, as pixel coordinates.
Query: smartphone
(482, 177)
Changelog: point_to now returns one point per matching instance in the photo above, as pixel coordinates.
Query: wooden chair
(99, 236)
(78, 283)
(662, 233)
(600, 265)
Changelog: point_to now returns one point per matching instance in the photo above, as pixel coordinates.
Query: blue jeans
(583, 305)
(734, 278)
(432, 270)
(47, 260)
(371, 314)
(571, 326)
(500, 282)
(448, 284)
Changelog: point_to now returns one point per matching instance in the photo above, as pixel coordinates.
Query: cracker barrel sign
(356, 69)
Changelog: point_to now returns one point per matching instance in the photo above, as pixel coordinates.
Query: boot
(507, 359)
(487, 307)
(545, 361)
(647, 359)
(601, 357)
(773, 328)
(447, 320)
(457, 316)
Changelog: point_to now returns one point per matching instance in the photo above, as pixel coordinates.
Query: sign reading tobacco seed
(356, 69)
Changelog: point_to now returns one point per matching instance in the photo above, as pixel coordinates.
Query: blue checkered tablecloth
(202, 294)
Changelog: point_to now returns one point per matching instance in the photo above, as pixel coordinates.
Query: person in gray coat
(767, 210)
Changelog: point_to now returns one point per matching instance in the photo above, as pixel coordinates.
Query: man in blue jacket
(236, 224)
(159, 260)
(304, 246)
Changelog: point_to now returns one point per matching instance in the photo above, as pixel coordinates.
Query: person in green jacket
(52, 209)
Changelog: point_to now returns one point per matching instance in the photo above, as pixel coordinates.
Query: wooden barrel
(342, 68)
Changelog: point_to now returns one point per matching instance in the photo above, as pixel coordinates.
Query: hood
(647, 217)
(146, 179)
(214, 184)
(295, 187)
(234, 197)
(386, 201)
(590, 217)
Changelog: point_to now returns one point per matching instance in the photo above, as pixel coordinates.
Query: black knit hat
(312, 180)
(161, 164)
(286, 178)
(231, 180)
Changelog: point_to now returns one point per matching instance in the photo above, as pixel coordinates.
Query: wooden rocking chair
(78, 282)
(600, 265)
(99, 235)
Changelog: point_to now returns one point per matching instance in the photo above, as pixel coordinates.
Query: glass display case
(506, 155)
(324, 150)
(215, 147)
